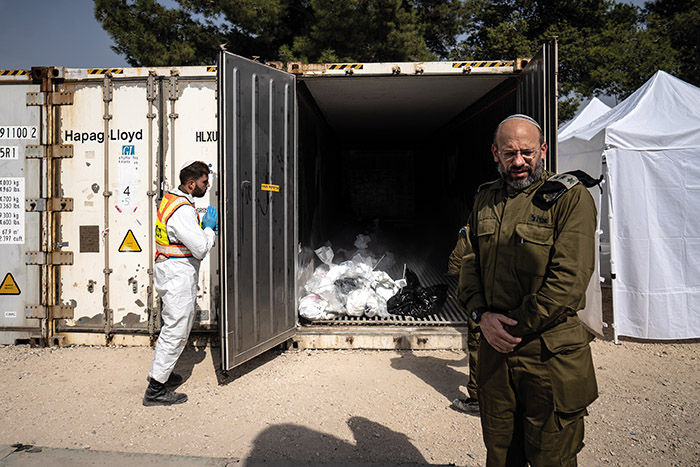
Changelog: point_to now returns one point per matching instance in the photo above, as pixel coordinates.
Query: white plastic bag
(313, 307)
(325, 254)
(372, 305)
(384, 285)
(362, 242)
(356, 301)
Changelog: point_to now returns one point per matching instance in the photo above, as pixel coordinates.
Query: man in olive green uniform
(532, 257)
(470, 404)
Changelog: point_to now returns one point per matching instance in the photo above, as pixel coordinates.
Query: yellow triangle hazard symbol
(9, 286)
(129, 243)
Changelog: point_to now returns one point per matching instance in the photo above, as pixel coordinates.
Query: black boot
(157, 394)
(174, 380)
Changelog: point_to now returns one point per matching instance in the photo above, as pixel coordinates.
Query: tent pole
(611, 224)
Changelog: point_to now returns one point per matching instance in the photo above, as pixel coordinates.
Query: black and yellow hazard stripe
(102, 71)
(211, 69)
(13, 72)
(492, 64)
(344, 66)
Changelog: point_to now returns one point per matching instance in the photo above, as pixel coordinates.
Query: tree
(604, 47)
(147, 33)
(679, 21)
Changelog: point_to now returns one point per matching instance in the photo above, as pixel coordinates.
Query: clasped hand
(494, 328)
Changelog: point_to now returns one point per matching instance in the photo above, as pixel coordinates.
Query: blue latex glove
(211, 219)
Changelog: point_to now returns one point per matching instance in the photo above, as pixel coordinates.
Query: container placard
(128, 176)
(19, 132)
(9, 152)
(12, 210)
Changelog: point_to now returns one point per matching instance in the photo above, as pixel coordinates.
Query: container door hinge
(50, 312)
(58, 151)
(48, 204)
(56, 258)
(51, 98)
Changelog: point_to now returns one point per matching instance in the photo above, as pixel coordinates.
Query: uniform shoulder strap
(485, 185)
(558, 185)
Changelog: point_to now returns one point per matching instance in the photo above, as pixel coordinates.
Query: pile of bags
(356, 287)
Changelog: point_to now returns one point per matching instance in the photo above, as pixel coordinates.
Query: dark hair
(194, 171)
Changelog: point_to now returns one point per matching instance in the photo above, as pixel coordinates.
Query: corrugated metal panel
(257, 224)
(538, 96)
(308, 70)
(109, 230)
(190, 133)
(20, 231)
(131, 132)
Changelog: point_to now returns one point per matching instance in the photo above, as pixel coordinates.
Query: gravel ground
(333, 406)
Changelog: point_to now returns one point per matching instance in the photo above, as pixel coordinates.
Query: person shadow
(444, 375)
(374, 443)
(191, 356)
(224, 377)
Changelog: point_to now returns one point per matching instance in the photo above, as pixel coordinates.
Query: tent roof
(663, 113)
(594, 109)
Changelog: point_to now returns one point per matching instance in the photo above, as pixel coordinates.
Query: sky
(59, 33)
(53, 33)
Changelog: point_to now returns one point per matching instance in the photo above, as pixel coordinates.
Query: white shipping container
(20, 231)
(124, 134)
(131, 130)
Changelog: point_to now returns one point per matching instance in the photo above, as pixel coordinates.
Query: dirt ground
(333, 406)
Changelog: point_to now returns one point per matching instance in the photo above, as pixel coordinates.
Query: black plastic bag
(346, 285)
(416, 301)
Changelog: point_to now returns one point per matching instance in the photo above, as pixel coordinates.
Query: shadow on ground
(373, 443)
(440, 373)
(190, 357)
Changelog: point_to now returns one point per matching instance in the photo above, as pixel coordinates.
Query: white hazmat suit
(175, 280)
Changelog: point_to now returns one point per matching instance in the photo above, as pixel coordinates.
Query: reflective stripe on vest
(168, 205)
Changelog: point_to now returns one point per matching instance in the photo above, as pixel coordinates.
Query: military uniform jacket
(531, 264)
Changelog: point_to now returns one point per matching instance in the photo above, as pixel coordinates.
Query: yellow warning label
(102, 71)
(9, 286)
(129, 244)
(344, 66)
(265, 187)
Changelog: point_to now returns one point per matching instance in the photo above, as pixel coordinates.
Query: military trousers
(473, 340)
(533, 400)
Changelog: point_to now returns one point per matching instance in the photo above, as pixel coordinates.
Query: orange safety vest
(168, 205)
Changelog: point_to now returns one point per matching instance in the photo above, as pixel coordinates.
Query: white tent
(572, 156)
(651, 145)
(591, 111)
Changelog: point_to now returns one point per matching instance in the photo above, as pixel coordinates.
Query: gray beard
(518, 185)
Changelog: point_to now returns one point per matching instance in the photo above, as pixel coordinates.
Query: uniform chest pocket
(533, 249)
(485, 232)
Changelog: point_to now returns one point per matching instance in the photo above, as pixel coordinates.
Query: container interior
(398, 158)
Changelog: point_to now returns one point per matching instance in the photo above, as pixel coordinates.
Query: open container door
(538, 95)
(257, 206)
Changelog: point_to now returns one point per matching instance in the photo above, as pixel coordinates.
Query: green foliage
(147, 33)
(604, 47)
(361, 30)
(678, 21)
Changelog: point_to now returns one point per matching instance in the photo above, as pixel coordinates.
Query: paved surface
(36, 456)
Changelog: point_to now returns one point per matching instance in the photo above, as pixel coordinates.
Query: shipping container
(300, 158)
(24, 228)
(320, 153)
(101, 148)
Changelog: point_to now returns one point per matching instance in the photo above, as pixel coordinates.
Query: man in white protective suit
(181, 244)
